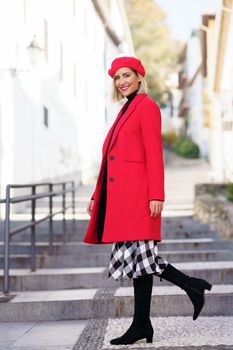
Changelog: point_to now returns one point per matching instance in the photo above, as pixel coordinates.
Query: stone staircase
(70, 295)
(73, 283)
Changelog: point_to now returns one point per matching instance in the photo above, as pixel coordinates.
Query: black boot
(141, 326)
(194, 287)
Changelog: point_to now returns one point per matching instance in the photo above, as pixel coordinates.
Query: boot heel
(207, 286)
(149, 339)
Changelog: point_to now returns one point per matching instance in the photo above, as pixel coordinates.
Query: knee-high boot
(141, 326)
(194, 287)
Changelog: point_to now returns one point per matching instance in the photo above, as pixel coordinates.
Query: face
(126, 81)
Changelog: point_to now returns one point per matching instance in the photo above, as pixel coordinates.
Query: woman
(126, 206)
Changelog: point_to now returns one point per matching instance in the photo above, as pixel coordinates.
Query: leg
(194, 287)
(142, 300)
(141, 326)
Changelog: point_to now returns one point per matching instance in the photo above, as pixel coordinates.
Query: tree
(153, 44)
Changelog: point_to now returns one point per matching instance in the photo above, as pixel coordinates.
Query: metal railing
(65, 187)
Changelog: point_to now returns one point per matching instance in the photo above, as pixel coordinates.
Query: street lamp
(33, 51)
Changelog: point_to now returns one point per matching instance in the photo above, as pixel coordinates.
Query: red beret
(131, 62)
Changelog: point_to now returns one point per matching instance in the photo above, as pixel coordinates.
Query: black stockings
(142, 299)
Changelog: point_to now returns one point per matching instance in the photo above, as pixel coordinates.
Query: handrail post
(6, 241)
(73, 203)
(50, 220)
(64, 208)
(33, 228)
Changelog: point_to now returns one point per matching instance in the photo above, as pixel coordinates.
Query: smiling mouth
(124, 89)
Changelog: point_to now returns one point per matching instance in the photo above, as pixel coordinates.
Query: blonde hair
(117, 95)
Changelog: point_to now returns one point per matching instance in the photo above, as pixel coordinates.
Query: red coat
(135, 175)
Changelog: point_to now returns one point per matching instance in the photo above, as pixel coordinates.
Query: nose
(122, 81)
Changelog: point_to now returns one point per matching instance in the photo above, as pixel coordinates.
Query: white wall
(196, 129)
(227, 108)
(71, 82)
(221, 131)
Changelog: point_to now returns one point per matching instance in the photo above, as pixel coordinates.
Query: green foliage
(229, 188)
(153, 44)
(185, 147)
(169, 137)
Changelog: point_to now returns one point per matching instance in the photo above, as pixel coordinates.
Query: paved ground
(178, 331)
(40, 335)
(181, 332)
(181, 176)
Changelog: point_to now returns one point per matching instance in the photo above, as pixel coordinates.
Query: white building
(53, 115)
(219, 91)
(191, 107)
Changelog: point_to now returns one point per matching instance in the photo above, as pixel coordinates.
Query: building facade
(218, 94)
(191, 83)
(207, 90)
(54, 114)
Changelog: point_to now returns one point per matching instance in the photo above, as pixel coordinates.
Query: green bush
(185, 147)
(230, 192)
(178, 143)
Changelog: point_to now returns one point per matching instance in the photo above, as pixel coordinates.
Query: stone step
(185, 221)
(43, 228)
(94, 303)
(177, 220)
(194, 244)
(78, 235)
(218, 302)
(77, 247)
(56, 223)
(188, 233)
(169, 224)
(57, 335)
(23, 261)
(97, 277)
(55, 279)
(96, 259)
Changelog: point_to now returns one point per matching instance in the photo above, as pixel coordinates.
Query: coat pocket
(132, 147)
(134, 161)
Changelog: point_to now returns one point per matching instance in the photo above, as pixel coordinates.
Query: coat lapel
(123, 119)
(108, 137)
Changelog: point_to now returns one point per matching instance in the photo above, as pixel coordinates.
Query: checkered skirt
(132, 259)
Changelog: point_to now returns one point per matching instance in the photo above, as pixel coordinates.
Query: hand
(156, 208)
(90, 206)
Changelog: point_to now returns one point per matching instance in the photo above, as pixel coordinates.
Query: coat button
(111, 178)
(112, 158)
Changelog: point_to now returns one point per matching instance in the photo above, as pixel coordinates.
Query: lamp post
(172, 84)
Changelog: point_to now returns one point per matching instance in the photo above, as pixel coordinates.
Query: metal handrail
(8, 233)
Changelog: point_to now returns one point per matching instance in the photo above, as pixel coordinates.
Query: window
(46, 117)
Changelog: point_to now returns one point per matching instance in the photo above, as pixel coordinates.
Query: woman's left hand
(156, 208)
